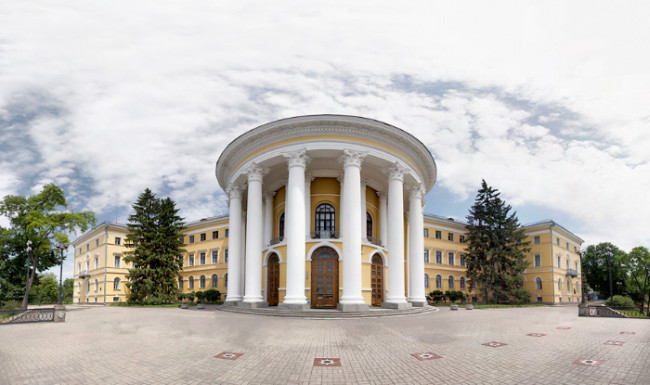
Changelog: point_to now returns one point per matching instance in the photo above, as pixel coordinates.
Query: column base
(252, 305)
(418, 303)
(353, 307)
(232, 302)
(396, 305)
(293, 306)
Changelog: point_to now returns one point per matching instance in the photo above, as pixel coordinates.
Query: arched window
(96, 284)
(325, 220)
(368, 225)
(538, 283)
(88, 288)
(559, 284)
(225, 280)
(190, 282)
(568, 285)
(116, 283)
(426, 281)
(180, 283)
(451, 281)
(438, 281)
(462, 283)
(202, 282)
(215, 281)
(281, 226)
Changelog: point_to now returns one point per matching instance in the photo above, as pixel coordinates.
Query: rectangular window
(225, 256)
(96, 262)
(538, 260)
(461, 239)
(118, 241)
(450, 237)
(190, 260)
(557, 241)
(559, 263)
(87, 246)
(426, 233)
(191, 238)
(567, 245)
(539, 299)
(215, 256)
(462, 260)
(438, 234)
(118, 261)
(202, 258)
(536, 240)
(567, 264)
(96, 242)
(227, 233)
(439, 257)
(450, 258)
(215, 234)
(426, 256)
(203, 237)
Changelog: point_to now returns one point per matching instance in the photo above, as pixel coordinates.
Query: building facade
(326, 211)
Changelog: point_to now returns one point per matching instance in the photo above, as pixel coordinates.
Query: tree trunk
(28, 288)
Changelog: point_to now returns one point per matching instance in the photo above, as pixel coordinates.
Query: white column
(341, 180)
(416, 248)
(364, 234)
(235, 254)
(268, 218)
(308, 180)
(254, 228)
(295, 231)
(395, 298)
(383, 216)
(242, 264)
(352, 298)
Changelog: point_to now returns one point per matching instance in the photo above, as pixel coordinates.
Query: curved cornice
(326, 125)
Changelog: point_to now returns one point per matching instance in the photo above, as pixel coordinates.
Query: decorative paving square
(426, 356)
(536, 334)
(628, 333)
(563, 327)
(588, 362)
(327, 362)
(494, 344)
(229, 355)
(615, 343)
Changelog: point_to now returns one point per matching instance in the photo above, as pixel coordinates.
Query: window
(368, 225)
(190, 260)
(180, 283)
(567, 263)
(461, 239)
(87, 246)
(215, 234)
(118, 261)
(227, 233)
(225, 280)
(559, 262)
(281, 226)
(567, 245)
(87, 265)
(202, 258)
(538, 283)
(225, 256)
(439, 257)
(215, 256)
(325, 217)
(539, 299)
(426, 281)
(96, 242)
(202, 237)
(538, 260)
(438, 281)
(118, 241)
(190, 282)
(557, 241)
(559, 284)
(568, 286)
(450, 237)
(88, 287)
(96, 262)
(576, 265)
(191, 239)
(426, 256)
(462, 260)
(96, 284)
(438, 234)
(450, 258)
(536, 240)
(215, 281)
(78, 267)
(451, 281)
(116, 299)
(202, 282)
(426, 233)
(462, 283)
(116, 284)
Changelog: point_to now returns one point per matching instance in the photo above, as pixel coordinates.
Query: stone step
(325, 314)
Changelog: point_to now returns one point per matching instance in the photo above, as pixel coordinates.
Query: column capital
(382, 194)
(396, 172)
(269, 194)
(233, 191)
(297, 158)
(352, 158)
(309, 178)
(255, 173)
(415, 191)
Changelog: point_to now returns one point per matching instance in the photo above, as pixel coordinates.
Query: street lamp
(29, 256)
(62, 248)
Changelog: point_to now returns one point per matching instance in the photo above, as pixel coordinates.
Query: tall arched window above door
(368, 225)
(325, 221)
(281, 226)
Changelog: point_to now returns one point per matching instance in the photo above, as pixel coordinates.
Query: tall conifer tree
(496, 249)
(156, 241)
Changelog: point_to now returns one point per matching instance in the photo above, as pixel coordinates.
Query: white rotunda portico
(326, 212)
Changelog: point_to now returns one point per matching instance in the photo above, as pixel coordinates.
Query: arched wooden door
(324, 278)
(273, 280)
(377, 280)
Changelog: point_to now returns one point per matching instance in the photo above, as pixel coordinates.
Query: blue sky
(547, 101)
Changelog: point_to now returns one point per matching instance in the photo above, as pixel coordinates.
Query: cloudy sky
(547, 101)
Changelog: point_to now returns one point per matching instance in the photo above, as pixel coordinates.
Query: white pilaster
(364, 233)
(383, 217)
(416, 247)
(295, 231)
(235, 254)
(352, 299)
(254, 233)
(268, 218)
(308, 180)
(395, 298)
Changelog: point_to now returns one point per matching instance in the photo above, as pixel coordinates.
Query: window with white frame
(190, 282)
(190, 260)
(451, 281)
(118, 241)
(116, 284)
(180, 283)
(96, 262)
(202, 258)
(215, 256)
(463, 261)
(118, 261)
(538, 283)
(225, 255)
(426, 233)
(559, 284)
(202, 237)
(559, 262)
(215, 281)
(536, 239)
(202, 282)
(450, 259)
(538, 260)
(215, 234)
(439, 257)
(462, 283)
(426, 281)
(438, 281)
(225, 280)
(426, 256)
(96, 284)
(450, 237)
(191, 240)
(438, 234)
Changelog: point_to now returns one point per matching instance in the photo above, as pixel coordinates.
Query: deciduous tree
(637, 266)
(596, 264)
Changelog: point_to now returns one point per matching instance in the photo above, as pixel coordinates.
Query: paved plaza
(109, 345)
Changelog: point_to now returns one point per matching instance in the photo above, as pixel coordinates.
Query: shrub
(190, 296)
(436, 296)
(520, 296)
(619, 300)
(455, 295)
(212, 295)
(200, 296)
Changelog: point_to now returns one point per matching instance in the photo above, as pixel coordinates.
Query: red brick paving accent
(327, 362)
(563, 327)
(588, 362)
(615, 343)
(629, 333)
(494, 344)
(535, 334)
(229, 355)
(426, 356)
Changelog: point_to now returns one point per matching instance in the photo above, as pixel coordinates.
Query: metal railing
(375, 241)
(572, 273)
(324, 234)
(25, 316)
(275, 241)
(84, 274)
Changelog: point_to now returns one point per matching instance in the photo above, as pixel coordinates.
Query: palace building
(326, 211)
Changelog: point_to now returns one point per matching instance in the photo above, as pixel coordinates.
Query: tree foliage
(43, 220)
(595, 267)
(46, 291)
(637, 266)
(496, 247)
(155, 243)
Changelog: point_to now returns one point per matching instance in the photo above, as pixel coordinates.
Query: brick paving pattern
(108, 345)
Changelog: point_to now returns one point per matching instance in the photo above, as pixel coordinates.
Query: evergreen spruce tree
(496, 249)
(155, 240)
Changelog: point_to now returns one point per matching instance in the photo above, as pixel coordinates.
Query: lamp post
(29, 257)
(62, 248)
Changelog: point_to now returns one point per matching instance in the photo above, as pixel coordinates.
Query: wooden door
(324, 278)
(377, 280)
(273, 280)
